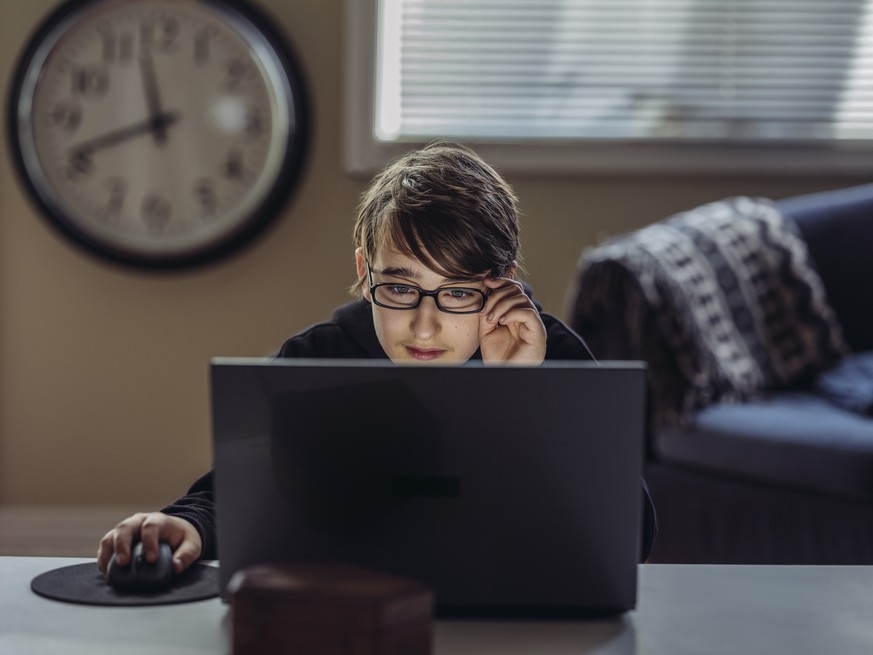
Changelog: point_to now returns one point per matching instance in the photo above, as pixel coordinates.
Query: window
(776, 86)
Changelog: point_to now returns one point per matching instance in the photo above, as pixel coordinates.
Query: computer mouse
(139, 574)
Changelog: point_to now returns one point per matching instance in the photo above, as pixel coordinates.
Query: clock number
(67, 115)
(116, 47)
(201, 45)
(254, 124)
(108, 37)
(160, 34)
(81, 165)
(125, 44)
(206, 197)
(90, 81)
(117, 187)
(237, 71)
(168, 30)
(146, 35)
(233, 165)
(156, 212)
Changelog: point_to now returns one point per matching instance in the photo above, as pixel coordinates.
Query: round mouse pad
(83, 583)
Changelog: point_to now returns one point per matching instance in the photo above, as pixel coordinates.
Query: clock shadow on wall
(159, 134)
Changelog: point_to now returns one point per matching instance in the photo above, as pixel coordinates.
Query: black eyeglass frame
(422, 293)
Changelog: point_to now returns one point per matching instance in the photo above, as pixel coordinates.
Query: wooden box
(328, 609)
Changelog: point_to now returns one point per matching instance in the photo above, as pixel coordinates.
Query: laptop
(509, 491)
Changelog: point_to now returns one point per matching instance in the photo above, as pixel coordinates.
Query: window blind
(771, 71)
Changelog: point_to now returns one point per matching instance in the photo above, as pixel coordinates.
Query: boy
(436, 256)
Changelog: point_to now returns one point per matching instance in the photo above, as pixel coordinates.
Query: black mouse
(140, 575)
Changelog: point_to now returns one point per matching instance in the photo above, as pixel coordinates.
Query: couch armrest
(838, 229)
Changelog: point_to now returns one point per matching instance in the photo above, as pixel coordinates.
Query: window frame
(365, 154)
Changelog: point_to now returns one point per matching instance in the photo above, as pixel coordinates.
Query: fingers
(508, 303)
(510, 328)
(118, 542)
(505, 295)
(188, 550)
(151, 529)
(181, 535)
(105, 551)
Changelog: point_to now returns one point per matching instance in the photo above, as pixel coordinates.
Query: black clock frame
(261, 218)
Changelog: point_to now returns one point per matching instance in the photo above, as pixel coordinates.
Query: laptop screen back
(505, 489)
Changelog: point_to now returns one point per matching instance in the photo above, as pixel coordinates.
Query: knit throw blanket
(729, 290)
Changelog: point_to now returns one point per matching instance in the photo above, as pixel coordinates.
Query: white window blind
(582, 83)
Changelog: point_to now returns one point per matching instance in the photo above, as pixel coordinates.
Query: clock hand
(150, 84)
(156, 124)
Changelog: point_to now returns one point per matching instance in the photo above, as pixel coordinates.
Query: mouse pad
(84, 584)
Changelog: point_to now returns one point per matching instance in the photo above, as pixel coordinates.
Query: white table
(699, 610)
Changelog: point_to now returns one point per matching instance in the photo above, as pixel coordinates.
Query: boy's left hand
(510, 328)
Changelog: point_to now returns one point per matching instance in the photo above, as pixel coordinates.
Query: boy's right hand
(150, 529)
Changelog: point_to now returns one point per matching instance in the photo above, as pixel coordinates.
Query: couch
(760, 440)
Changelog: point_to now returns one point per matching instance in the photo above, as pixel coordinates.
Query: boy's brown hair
(444, 206)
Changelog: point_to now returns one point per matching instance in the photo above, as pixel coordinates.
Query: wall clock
(158, 133)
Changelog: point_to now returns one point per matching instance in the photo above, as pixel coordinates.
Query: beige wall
(103, 387)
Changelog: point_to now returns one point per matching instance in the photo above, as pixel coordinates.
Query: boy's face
(424, 335)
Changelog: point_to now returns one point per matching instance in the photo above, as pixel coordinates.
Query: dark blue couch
(787, 476)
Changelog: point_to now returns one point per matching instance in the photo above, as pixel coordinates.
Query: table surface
(681, 609)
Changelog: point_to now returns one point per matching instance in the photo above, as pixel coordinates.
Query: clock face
(156, 132)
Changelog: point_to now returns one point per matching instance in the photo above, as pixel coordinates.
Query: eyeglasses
(452, 300)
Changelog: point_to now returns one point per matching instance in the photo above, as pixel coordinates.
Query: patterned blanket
(728, 291)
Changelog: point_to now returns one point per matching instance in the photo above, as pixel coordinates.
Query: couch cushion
(792, 439)
(849, 384)
(838, 229)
